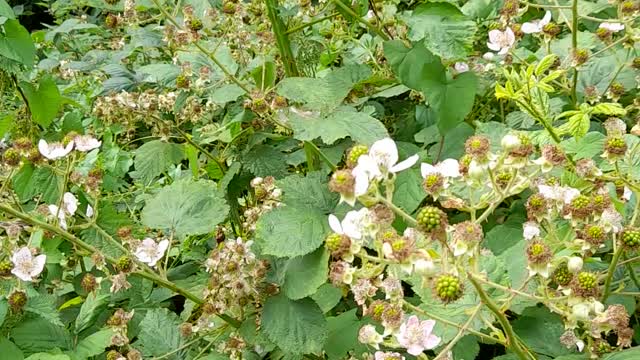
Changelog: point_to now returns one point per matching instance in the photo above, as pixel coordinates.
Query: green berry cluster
(124, 264)
(333, 242)
(562, 276)
(585, 284)
(616, 146)
(17, 300)
(5, 267)
(430, 218)
(195, 24)
(448, 288)
(631, 238)
(355, 153)
(594, 234)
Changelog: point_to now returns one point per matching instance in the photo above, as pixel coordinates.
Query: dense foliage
(332, 179)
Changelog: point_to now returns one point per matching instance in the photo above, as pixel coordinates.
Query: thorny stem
(282, 39)
(87, 247)
(574, 48)
(310, 23)
(512, 340)
(364, 22)
(610, 271)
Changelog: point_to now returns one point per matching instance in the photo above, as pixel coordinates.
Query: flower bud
(369, 336)
(575, 264)
(510, 142)
(424, 267)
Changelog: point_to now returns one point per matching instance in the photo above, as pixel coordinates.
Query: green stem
(188, 139)
(632, 272)
(444, 352)
(610, 271)
(364, 22)
(321, 155)
(310, 23)
(408, 218)
(282, 39)
(512, 339)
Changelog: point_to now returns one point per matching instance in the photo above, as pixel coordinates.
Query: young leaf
(305, 274)
(44, 102)
(159, 333)
(154, 157)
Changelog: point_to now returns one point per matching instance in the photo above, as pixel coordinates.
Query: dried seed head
(17, 300)
(477, 147)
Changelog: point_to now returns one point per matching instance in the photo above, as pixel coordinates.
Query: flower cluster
(267, 197)
(236, 278)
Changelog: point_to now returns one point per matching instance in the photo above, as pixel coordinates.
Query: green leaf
(443, 29)
(466, 348)
(419, 69)
(226, 93)
(323, 94)
(588, 146)
(265, 76)
(629, 354)
(311, 190)
(541, 331)
(155, 157)
(15, 42)
(305, 274)
(343, 335)
(342, 123)
(265, 160)
(4, 308)
(48, 356)
(291, 231)
(30, 182)
(408, 193)
(502, 237)
(89, 311)
(159, 333)
(36, 335)
(6, 123)
(297, 327)
(44, 306)
(94, 344)
(9, 350)
(453, 146)
(327, 297)
(44, 102)
(187, 207)
(6, 10)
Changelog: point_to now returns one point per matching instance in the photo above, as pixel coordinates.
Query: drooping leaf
(443, 29)
(186, 207)
(305, 274)
(155, 157)
(15, 41)
(297, 327)
(6, 10)
(291, 231)
(327, 297)
(44, 101)
(419, 69)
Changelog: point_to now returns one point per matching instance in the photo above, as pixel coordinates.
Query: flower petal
(431, 342)
(43, 147)
(405, 164)
(546, 19)
(70, 203)
(428, 325)
(427, 169)
(449, 168)
(38, 265)
(334, 223)
(530, 28)
(384, 152)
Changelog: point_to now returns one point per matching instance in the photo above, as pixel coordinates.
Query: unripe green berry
(615, 146)
(585, 284)
(17, 300)
(124, 264)
(11, 157)
(431, 218)
(89, 282)
(355, 153)
(333, 242)
(113, 355)
(5, 268)
(631, 238)
(562, 276)
(195, 24)
(182, 81)
(448, 288)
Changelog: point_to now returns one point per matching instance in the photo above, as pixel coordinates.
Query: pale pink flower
(369, 336)
(150, 252)
(54, 151)
(25, 265)
(86, 143)
(536, 26)
(501, 41)
(613, 27)
(416, 336)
